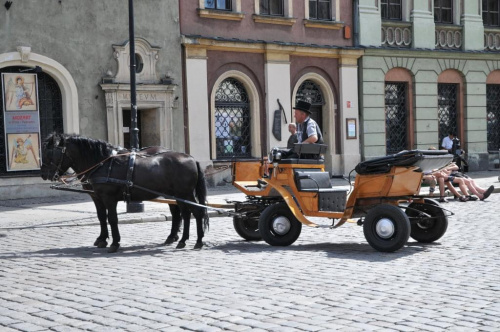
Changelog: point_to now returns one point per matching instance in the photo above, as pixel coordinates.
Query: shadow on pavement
(350, 250)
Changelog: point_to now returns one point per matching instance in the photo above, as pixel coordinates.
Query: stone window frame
(234, 14)
(255, 116)
(498, 18)
(286, 19)
(334, 24)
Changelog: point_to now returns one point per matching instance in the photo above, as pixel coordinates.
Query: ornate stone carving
(24, 51)
(147, 54)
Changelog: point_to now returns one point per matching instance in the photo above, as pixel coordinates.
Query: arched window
(398, 114)
(493, 111)
(450, 104)
(311, 92)
(50, 113)
(232, 120)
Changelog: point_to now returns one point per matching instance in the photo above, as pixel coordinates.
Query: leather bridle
(59, 164)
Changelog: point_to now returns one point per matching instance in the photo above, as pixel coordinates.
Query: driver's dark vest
(304, 132)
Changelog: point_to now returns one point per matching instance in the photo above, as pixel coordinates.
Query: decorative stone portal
(154, 105)
(155, 97)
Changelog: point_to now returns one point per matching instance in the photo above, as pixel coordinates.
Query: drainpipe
(355, 22)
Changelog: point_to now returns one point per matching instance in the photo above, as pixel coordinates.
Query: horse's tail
(201, 194)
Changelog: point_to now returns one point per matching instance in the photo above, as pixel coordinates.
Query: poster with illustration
(20, 92)
(24, 152)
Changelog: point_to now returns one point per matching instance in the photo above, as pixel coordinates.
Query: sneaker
(463, 199)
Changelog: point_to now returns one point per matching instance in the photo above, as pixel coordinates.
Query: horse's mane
(94, 149)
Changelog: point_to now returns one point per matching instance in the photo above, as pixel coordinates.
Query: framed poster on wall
(21, 121)
(351, 128)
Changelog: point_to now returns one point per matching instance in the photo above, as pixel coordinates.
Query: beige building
(430, 67)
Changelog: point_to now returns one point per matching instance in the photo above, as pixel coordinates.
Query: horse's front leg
(186, 216)
(176, 224)
(113, 222)
(101, 241)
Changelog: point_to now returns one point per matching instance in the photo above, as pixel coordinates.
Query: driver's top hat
(303, 106)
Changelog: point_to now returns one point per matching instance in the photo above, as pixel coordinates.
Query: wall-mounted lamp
(8, 4)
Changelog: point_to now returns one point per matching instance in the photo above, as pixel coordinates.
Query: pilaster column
(370, 23)
(423, 25)
(197, 104)
(473, 26)
(348, 108)
(277, 73)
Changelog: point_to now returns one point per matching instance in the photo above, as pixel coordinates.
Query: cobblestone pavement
(53, 279)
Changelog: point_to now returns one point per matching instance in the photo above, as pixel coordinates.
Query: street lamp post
(134, 132)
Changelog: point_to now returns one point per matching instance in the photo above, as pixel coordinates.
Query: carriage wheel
(278, 226)
(247, 228)
(386, 228)
(427, 229)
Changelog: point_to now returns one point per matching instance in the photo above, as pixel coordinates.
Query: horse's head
(55, 157)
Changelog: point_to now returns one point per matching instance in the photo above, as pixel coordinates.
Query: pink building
(242, 59)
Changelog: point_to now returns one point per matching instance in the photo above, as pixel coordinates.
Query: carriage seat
(330, 199)
(309, 154)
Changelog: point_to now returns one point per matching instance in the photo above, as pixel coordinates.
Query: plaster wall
(80, 38)
(425, 72)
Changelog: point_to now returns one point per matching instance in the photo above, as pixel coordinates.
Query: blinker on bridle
(59, 164)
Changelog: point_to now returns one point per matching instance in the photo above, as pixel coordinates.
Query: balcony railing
(396, 34)
(491, 39)
(448, 37)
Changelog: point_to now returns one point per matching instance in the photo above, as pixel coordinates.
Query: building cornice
(254, 46)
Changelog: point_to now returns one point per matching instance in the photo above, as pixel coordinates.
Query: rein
(82, 174)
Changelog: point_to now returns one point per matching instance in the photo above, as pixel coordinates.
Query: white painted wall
(278, 87)
(349, 108)
(198, 115)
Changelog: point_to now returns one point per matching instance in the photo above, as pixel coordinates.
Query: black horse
(111, 175)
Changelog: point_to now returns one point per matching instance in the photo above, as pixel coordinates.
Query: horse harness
(85, 177)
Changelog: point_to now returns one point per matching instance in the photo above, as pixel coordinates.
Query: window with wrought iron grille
(232, 120)
(493, 116)
(396, 115)
(443, 11)
(272, 7)
(51, 116)
(320, 10)
(491, 10)
(218, 4)
(391, 10)
(311, 92)
(447, 110)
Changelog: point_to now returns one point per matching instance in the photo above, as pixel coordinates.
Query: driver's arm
(310, 140)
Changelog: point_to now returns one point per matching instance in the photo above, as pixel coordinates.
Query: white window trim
(287, 7)
(335, 7)
(456, 11)
(235, 5)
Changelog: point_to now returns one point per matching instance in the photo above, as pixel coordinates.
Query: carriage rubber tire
(246, 228)
(268, 217)
(398, 231)
(428, 230)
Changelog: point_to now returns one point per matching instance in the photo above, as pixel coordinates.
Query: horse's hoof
(101, 243)
(113, 248)
(198, 245)
(180, 245)
(171, 240)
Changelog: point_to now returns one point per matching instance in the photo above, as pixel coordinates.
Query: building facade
(430, 68)
(246, 63)
(73, 60)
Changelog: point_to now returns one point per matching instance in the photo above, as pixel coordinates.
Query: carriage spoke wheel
(427, 230)
(386, 228)
(278, 226)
